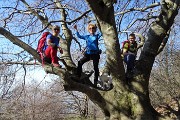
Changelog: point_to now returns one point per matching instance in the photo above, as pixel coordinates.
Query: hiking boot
(56, 65)
(77, 73)
(129, 74)
(48, 60)
(76, 79)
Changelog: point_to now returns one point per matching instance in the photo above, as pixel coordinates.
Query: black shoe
(129, 74)
(76, 78)
(95, 83)
(95, 86)
(47, 60)
(77, 73)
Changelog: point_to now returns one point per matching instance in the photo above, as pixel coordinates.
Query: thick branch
(142, 40)
(68, 36)
(157, 32)
(93, 94)
(20, 43)
(44, 19)
(104, 13)
(163, 44)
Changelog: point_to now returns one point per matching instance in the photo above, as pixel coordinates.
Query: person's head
(91, 28)
(56, 30)
(132, 37)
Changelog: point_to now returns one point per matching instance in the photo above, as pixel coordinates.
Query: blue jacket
(53, 40)
(91, 43)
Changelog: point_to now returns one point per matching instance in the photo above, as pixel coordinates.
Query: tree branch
(156, 34)
(20, 63)
(93, 94)
(163, 44)
(142, 40)
(139, 9)
(20, 43)
(43, 19)
(48, 68)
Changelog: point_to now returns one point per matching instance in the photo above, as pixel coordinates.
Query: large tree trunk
(125, 102)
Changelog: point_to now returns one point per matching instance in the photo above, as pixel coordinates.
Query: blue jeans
(129, 60)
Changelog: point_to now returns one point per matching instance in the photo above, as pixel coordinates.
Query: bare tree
(123, 101)
(50, 102)
(164, 85)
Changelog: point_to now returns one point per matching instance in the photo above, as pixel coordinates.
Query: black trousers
(86, 58)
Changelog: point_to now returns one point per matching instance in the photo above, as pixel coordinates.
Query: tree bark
(123, 102)
(132, 102)
(66, 43)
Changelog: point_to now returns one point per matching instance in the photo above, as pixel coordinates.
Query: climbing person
(52, 45)
(129, 50)
(92, 51)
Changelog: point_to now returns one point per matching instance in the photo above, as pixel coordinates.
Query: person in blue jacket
(92, 51)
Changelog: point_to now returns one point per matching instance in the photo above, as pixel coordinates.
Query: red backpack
(126, 41)
(41, 44)
(123, 43)
(129, 47)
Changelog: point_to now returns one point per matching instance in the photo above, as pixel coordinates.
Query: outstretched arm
(77, 33)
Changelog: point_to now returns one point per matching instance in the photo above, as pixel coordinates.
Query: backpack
(41, 42)
(123, 43)
(134, 45)
(41, 45)
(126, 41)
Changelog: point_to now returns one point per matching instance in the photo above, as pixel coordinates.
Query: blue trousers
(129, 60)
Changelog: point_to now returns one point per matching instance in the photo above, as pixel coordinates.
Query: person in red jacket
(52, 45)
